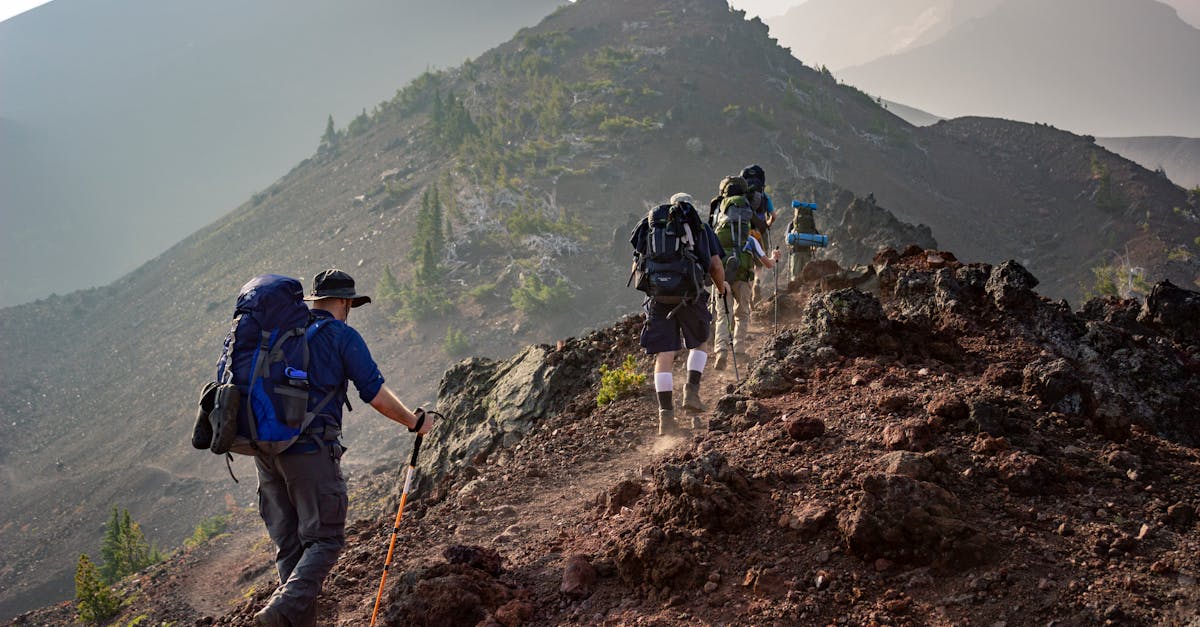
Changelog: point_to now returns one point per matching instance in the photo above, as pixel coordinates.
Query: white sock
(663, 382)
(696, 360)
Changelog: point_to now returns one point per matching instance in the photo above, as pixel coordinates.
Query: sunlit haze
(9, 8)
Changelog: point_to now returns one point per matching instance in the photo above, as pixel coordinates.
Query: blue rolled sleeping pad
(796, 204)
(808, 239)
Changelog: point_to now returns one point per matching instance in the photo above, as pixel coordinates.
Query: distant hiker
(803, 222)
(302, 492)
(764, 210)
(739, 230)
(675, 255)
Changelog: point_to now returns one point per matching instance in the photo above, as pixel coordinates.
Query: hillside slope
(127, 125)
(957, 449)
(544, 151)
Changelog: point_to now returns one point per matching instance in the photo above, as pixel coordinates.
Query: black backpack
(667, 266)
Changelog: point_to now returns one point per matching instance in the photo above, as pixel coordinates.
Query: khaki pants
(796, 263)
(740, 290)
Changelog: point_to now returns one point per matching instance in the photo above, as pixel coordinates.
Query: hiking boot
(696, 426)
(666, 422)
(691, 399)
(270, 616)
(721, 361)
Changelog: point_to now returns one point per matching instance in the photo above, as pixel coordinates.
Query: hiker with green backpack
(675, 256)
(281, 385)
(739, 229)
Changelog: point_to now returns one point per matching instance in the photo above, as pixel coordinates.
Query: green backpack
(734, 222)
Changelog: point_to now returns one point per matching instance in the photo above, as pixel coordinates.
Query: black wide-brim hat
(336, 284)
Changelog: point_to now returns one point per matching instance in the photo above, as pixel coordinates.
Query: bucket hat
(334, 283)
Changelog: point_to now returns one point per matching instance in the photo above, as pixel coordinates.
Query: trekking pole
(729, 328)
(775, 270)
(412, 467)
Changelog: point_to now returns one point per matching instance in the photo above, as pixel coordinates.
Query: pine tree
(124, 549)
(329, 139)
(94, 600)
(110, 548)
(388, 288)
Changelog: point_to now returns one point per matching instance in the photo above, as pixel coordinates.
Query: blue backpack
(258, 404)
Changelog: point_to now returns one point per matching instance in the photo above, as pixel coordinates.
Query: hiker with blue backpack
(802, 238)
(282, 382)
(675, 257)
(740, 231)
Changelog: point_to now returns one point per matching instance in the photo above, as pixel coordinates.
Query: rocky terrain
(540, 151)
(951, 449)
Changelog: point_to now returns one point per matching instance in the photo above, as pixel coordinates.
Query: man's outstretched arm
(387, 403)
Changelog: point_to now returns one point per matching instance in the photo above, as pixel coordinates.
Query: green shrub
(618, 382)
(208, 529)
(1179, 254)
(623, 123)
(456, 343)
(94, 600)
(533, 296)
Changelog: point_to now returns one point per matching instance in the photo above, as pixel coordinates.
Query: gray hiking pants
(302, 499)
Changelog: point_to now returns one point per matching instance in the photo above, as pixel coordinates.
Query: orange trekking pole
(412, 467)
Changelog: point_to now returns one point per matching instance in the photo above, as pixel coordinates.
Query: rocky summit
(946, 447)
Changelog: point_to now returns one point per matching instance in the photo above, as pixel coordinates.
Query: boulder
(1173, 311)
(910, 521)
(904, 463)
(911, 435)
(579, 577)
(1056, 383)
(802, 428)
(1010, 286)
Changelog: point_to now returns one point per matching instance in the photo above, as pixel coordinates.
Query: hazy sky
(9, 8)
(765, 8)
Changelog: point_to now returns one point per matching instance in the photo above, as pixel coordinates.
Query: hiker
(302, 492)
(764, 210)
(739, 230)
(803, 222)
(676, 254)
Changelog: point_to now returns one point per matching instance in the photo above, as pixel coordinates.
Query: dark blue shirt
(337, 355)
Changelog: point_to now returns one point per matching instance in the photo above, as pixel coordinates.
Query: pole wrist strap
(420, 414)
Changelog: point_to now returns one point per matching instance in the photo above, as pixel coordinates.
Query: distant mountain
(844, 33)
(912, 115)
(543, 152)
(1178, 156)
(1103, 67)
(128, 124)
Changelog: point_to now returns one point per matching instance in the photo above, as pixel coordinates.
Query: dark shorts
(660, 334)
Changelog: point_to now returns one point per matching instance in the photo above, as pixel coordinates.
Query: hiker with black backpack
(281, 385)
(764, 210)
(739, 230)
(675, 256)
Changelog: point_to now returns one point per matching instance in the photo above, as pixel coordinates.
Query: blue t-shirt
(764, 207)
(337, 355)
